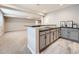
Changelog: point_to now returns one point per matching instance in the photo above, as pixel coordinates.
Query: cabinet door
(48, 37)
(64, 32)
(59, 32)
(74, 34)
(52, 36)
(42, 41)
(55, 34)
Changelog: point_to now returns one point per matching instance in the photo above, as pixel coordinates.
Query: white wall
(70, 13)
(1, 23)
(14, 24)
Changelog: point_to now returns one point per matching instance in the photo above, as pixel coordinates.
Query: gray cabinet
(74, 34)
(70, 33)
(64, 32)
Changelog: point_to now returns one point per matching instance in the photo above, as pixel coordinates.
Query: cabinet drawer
(52, 31)
(42, 33)
(47, 31)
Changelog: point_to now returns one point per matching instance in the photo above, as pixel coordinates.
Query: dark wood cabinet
(42, 41)
(47, 37)
(52, 36)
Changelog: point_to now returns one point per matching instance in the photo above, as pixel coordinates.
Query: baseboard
(15, 30)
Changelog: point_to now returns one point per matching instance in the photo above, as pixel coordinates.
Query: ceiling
(42, 8)
(34, 10)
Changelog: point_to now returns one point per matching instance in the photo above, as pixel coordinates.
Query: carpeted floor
(62, 46)
(16, 43)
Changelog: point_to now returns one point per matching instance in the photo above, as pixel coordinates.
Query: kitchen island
(39, 38)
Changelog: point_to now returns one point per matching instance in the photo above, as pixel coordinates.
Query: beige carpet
(62, 46)
(16, 43)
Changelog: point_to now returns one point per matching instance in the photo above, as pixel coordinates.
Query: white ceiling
(42, 8)
(33, 10)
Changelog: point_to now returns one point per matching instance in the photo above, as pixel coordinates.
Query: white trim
(31, 50)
